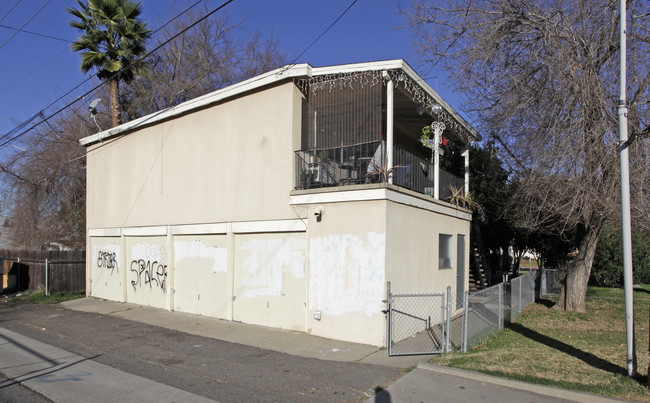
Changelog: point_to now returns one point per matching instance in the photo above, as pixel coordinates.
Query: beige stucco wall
(366, 237)
(229, 162)
(412, 265)
(347, 254)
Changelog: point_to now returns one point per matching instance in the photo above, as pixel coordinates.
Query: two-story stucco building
(287, 200)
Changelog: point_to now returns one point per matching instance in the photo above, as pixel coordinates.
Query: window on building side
(445, 250)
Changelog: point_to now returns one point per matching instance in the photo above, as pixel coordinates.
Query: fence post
(47, 287)
(20, 276)
(447, 340)
(388, 319)
(501, 307)
(443, 322)
(521, 285)
(542, 286)
(466, 312)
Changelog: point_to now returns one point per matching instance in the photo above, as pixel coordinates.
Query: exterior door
(460, 269)
(269, 280)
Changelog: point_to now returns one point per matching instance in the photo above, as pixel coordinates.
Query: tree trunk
(574, 286)
(116, 110)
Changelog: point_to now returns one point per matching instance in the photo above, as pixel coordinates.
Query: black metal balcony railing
(365, 163)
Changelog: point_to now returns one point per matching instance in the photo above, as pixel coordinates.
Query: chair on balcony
(375, 172)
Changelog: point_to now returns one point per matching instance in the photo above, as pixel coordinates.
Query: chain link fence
(438, 323)
(484, 315)
(522, 294)
(416, 323)
(549, 282)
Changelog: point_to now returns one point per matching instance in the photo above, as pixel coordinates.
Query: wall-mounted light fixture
(92, 108)
(318, 212)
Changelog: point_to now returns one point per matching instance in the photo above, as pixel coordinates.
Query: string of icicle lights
(361, 79)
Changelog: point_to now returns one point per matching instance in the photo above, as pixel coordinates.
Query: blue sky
(35, 71)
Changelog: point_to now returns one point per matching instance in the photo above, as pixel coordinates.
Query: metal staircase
(478, 266)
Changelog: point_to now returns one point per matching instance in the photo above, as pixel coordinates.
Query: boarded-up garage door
(146, 277)
(269, 283)
(200, 275)
(107, 273)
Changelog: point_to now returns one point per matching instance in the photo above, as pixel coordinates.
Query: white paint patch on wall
(347, 273)
(268, 261)
(198, 249)
(147, 251)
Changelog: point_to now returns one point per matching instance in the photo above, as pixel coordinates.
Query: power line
(65, 40)
(26, 22)
(178, 16)
(45, 119)
(9, 12)
(18, 81)
(321, 35)
(34, 33)
(77, 86)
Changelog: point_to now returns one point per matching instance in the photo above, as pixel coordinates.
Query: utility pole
(625, 200)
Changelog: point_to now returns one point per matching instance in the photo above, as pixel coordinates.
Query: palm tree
(113, 40)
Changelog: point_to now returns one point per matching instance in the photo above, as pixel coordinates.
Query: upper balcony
(362, 164)
(361, 127)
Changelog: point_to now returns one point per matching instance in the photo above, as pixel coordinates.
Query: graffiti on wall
(148, 274)
(147, 268)
(107, 260)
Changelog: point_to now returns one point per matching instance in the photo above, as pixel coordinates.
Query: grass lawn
(584, 352)
(39, 297)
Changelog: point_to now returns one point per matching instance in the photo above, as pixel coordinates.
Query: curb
(528, 387)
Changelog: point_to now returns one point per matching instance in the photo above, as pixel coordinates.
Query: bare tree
(46, 181)
(44, 172)
(540, 77)
(211, 55)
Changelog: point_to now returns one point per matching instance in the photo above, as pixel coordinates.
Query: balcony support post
(438, 128)
(390, 94)
(466, 155)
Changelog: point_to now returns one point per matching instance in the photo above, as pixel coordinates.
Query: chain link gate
(416, 323)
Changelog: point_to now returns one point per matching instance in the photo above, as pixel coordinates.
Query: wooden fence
(50, 271)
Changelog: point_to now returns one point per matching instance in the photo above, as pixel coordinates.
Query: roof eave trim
(445, 105)
(283, 73)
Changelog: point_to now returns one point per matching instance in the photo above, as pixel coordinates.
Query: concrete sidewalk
(64, 377)
(425, 383)
(436, 383)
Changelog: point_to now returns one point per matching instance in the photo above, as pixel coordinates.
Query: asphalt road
(12, 391)
(215, 369)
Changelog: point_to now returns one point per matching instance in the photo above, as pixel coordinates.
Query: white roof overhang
(276, 76)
